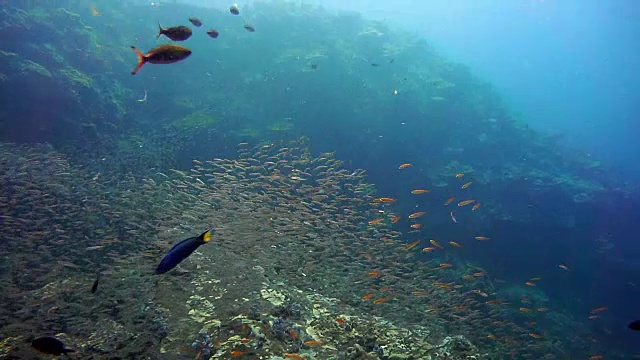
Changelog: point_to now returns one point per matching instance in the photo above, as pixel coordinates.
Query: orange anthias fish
(428, 249)
(436, 244)
(598, 310)
(417, 214)
(416, 226)
(374, 273)
(459, 175)
(313, 343)
(466, 185)
(419, 191)
(163, 54)
(445, 265)
(466, 202)
(294, 356)
(395, 219)
(368, 297)
(384, 200)
(405, 165)
(383, 300)
(481, 238)
(455, 244)
(376, 221)
(475, 206)
(529, 283)
(411, 245)
(449, 201)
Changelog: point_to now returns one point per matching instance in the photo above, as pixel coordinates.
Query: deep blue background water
(568, 67)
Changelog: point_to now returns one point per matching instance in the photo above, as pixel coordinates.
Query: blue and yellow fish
(182, 250)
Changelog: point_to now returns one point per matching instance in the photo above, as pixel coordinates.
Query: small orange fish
(599, 309)
(245, 340)
(340, 321)
(293, 334)
(419, 191)
(383, 300)
(395, 219)
(417, 214)
(455, 244)
(238, 352)
(527, 310)
(445, 265)
(529, 283)
(376, 221)
(374, 273)
(535, 336)
(411, 245)
(368, 297)
(436, 244)
(475, 206)
(416, 226)
(481, 293)
(405, 165)
(384, 200)
(466, 185)
(313, 343)
(481, 238)
(294, 356)
(479, 273)
(459, 175)
(466, 202)
(428, 249)
(419, 293)
(449, 201)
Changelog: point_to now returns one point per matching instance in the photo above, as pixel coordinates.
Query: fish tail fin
(206, 236)
(141, 60)
(160, 31)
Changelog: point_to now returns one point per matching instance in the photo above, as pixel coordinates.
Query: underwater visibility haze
(370, 180)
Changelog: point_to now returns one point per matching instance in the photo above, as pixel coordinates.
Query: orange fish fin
(141, 60)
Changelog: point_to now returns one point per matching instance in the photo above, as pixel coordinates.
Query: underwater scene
(295, 180)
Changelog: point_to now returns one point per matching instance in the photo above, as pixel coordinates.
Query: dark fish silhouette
(50, 345)
(163, 54)
(94, 287)
(250, 28)
(175, 33)
(195, 21)
(634, 325)
(182, 250)
(234, 9)
(213, 33)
